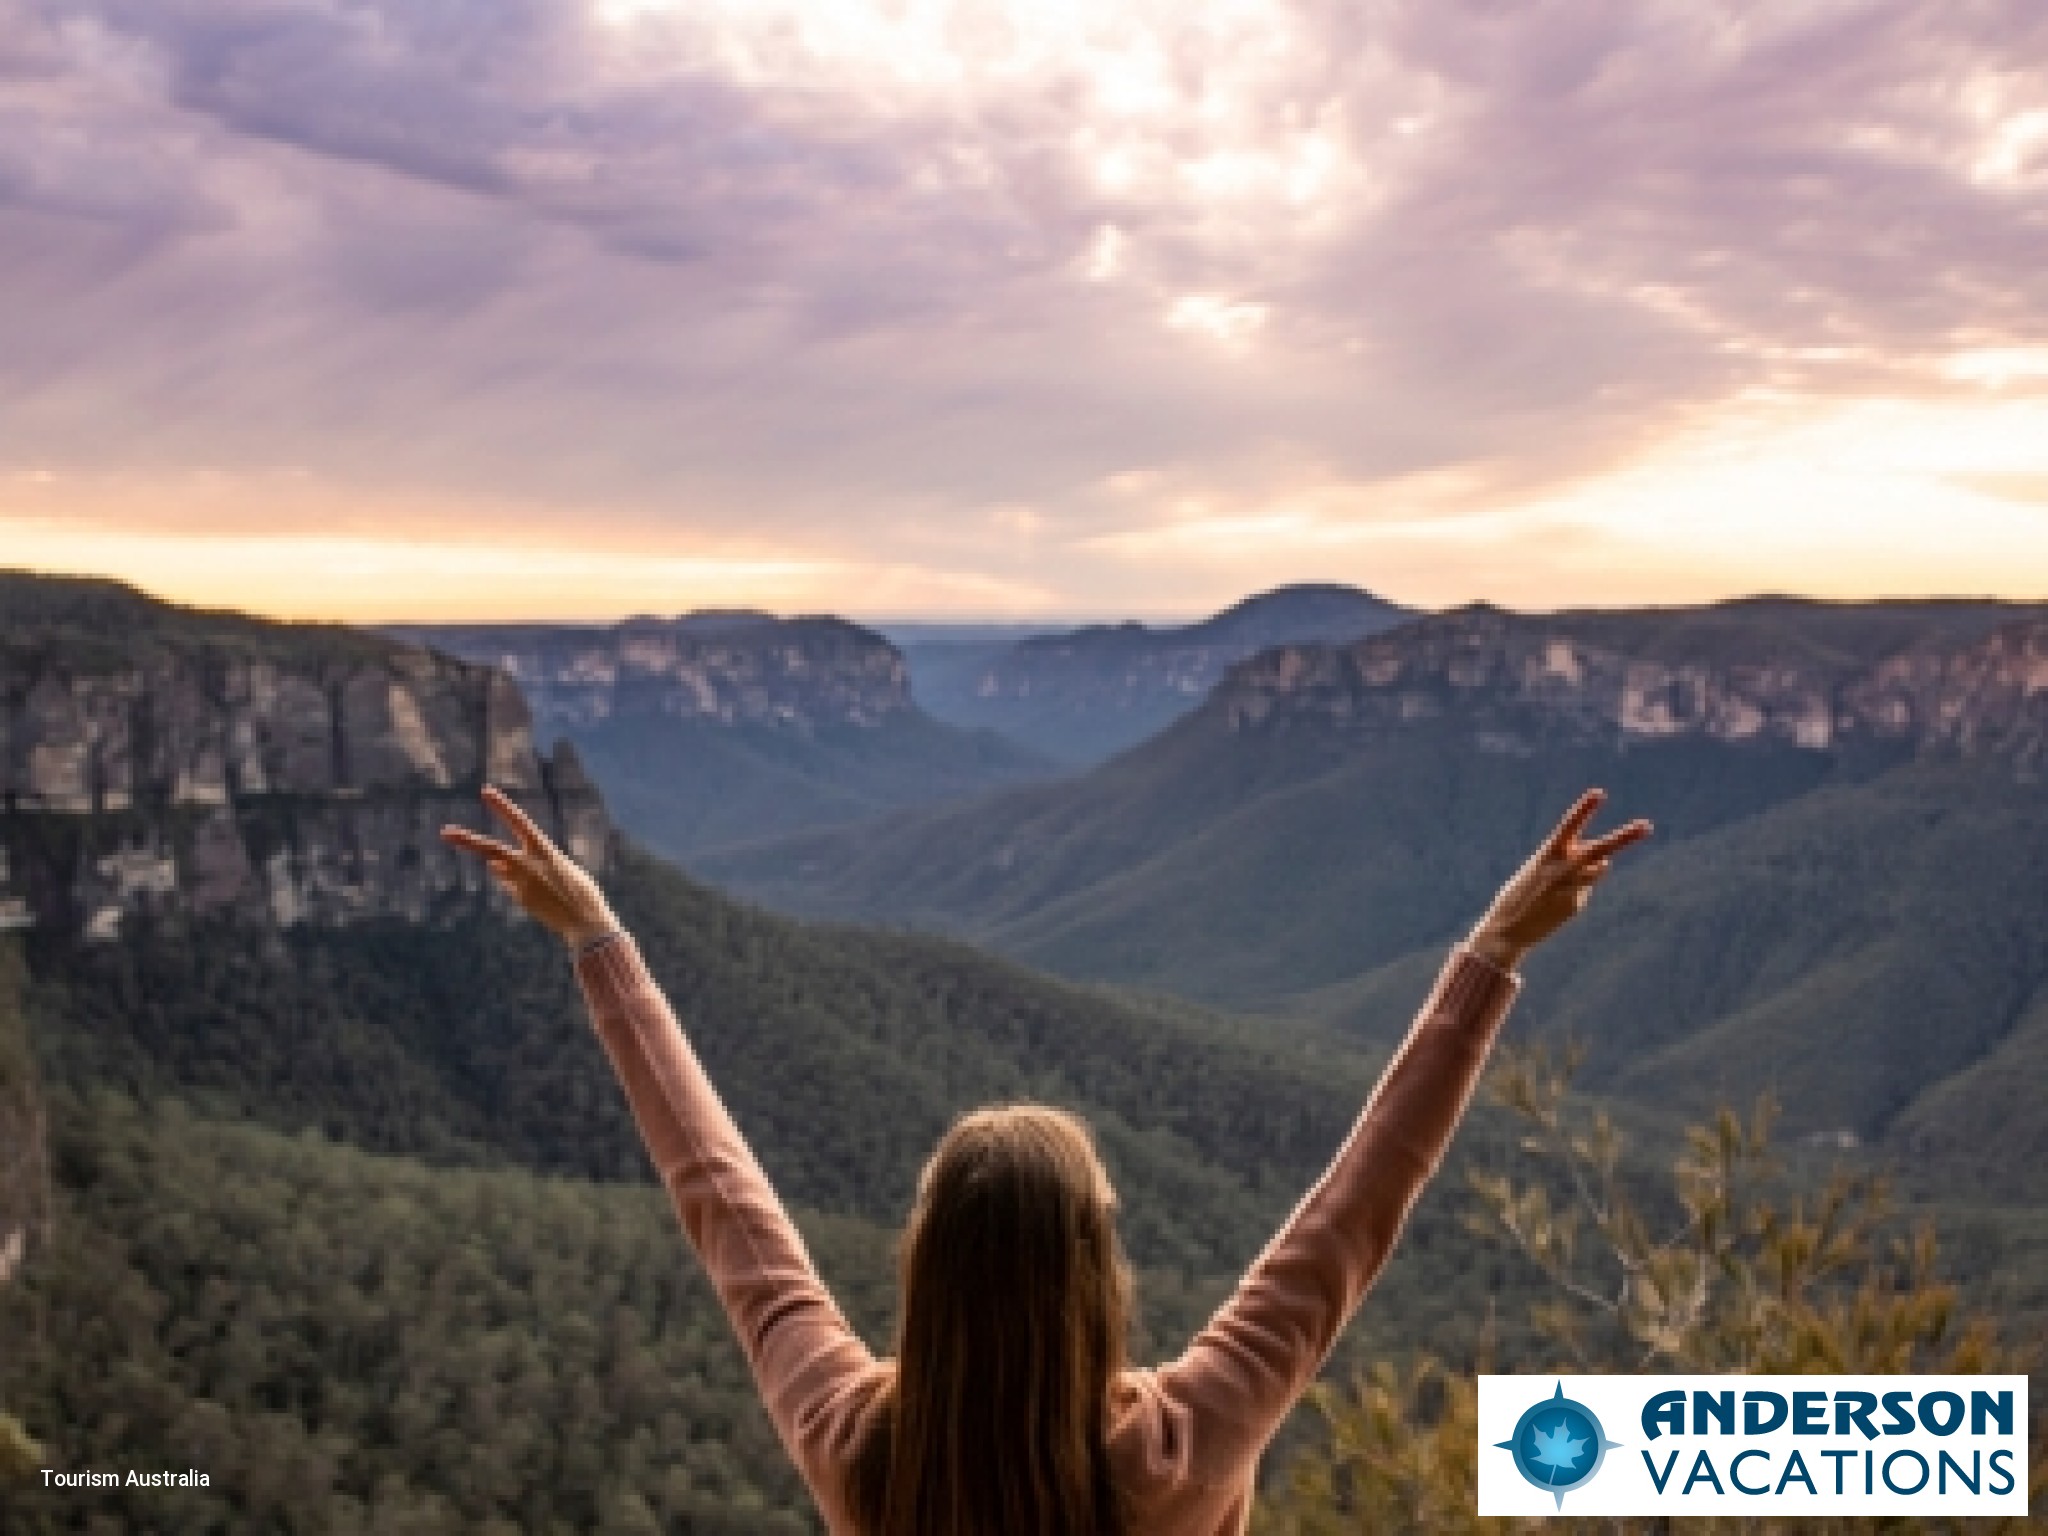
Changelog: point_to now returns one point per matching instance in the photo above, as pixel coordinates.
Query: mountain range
(1083, 695)
(1851, 822)
(723, 728)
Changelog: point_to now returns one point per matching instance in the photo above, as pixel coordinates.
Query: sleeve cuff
(1467, 951)
(585, 946)
(1475, 990)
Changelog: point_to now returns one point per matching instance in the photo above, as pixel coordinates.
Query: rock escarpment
(719, 729)
(1522, 681)
(165, 762)
(720, 668)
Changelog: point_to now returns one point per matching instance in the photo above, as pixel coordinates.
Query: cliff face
(1520, 681)
(718, 729)
(727, 669)
(182, 764)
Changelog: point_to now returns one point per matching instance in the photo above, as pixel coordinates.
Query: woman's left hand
(1552, 887)
(554, 889)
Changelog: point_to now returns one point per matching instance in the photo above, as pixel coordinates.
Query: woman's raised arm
(808, 1362)
(1236, 1382)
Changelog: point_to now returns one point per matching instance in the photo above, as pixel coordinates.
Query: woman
(1008, 1410)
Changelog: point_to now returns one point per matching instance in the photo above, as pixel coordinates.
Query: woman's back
(1008, 1411)
(1184, 1439)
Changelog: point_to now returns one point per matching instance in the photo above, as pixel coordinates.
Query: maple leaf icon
(1567, 1454)
(1559, 1449)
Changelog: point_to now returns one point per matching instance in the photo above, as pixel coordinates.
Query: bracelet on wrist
(581, 947)
(1495, 952)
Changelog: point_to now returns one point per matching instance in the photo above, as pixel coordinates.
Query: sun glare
(1230, 323)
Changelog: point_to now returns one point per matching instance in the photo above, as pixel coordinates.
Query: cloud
(854, 273)
(2007, 485)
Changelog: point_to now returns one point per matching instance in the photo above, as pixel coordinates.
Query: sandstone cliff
(723, 668)
(718, 729)
(176, 763)
(1519, 681)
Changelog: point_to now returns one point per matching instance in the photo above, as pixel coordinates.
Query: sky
(382, 309)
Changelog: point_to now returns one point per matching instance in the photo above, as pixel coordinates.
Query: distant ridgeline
(1923, 678)
(1086, 694)
(720, 728)
(733, 667)
(188, 764)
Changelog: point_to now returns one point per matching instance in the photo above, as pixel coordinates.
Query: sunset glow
(964, 309)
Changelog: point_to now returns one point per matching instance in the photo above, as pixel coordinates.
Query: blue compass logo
(1558, 1445)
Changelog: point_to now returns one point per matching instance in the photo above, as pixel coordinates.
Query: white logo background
(1624, 1485)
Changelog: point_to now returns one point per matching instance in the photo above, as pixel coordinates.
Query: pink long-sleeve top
(1185, 1438)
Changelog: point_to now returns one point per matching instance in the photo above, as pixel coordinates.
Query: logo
(1558, 1444)
(1717, 1444)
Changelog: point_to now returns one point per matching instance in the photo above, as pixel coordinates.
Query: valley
(1851, 825)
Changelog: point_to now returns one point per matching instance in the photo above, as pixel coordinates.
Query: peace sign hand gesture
(552, 887)
(1552, 887)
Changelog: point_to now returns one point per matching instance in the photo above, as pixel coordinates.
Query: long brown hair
(1014, 1304)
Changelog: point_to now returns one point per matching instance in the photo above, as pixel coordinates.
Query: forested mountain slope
(24, 1179)
(1873, 954)
(465, 1045)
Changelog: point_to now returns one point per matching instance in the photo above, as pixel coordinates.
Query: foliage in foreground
(1745, 1279)
(24, 1183)
(350, 1344)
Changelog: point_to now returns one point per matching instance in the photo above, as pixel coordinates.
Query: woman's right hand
(1552, 887)
(554, 889)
